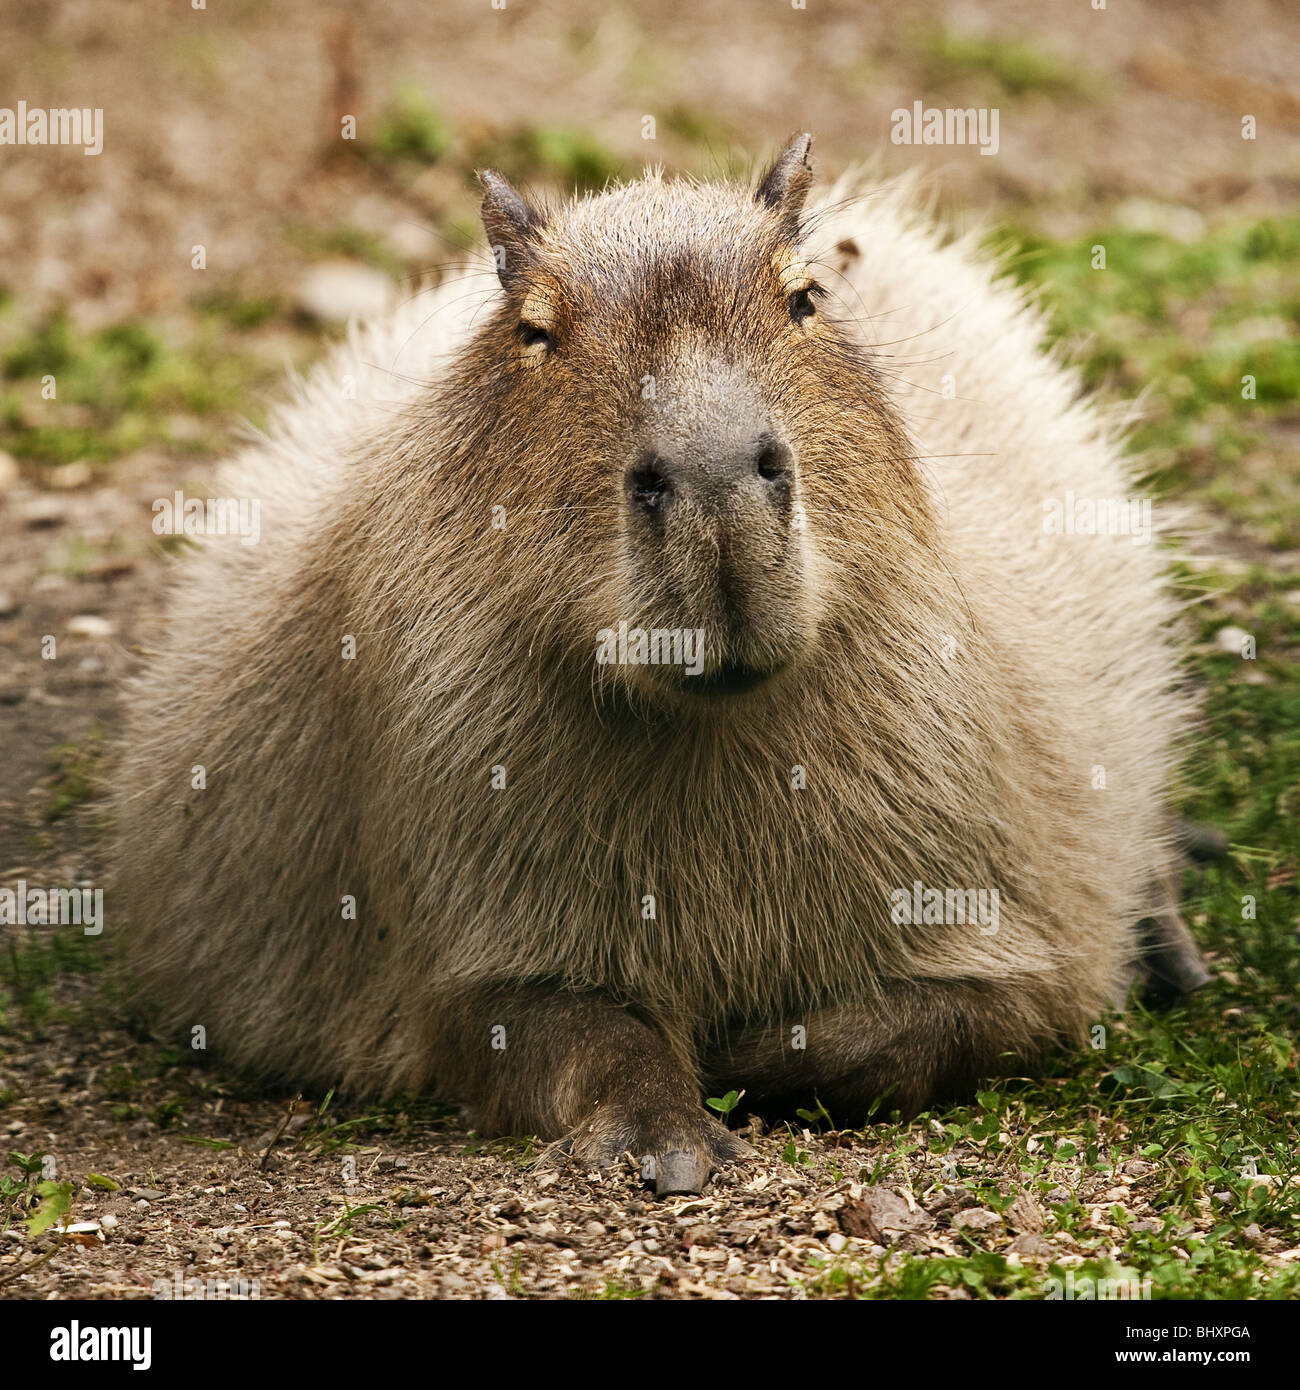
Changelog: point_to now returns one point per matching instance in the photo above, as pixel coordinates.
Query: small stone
(1024, 1214)
(8, 605)
(1230, 639)
(1139, 1168)
(70, 476)
(594, 1228)
(1026, 1244)
(837, 1241)
(90, 625)
(881, 1212)
(977, 1219)
(43, 512)
(108, 1221)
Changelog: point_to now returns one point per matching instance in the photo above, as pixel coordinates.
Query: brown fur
(948, 675)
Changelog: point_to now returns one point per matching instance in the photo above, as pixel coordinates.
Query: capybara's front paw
(677, 1148)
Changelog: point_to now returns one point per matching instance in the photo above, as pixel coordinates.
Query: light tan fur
(964, 675)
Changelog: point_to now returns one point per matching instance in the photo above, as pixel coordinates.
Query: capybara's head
(668, 383)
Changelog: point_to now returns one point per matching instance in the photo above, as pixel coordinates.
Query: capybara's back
(718, 644)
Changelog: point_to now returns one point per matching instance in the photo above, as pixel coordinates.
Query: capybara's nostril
(773, 459)
(648, 486)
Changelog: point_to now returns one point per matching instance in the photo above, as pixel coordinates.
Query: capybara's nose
(720, 479)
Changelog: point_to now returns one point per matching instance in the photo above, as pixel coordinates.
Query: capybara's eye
(801, 304)
(535, 338)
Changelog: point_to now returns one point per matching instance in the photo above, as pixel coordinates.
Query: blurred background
(222, 128)
(223, 124)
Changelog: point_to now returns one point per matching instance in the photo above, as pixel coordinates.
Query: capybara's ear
(510, 224)
(785, 185)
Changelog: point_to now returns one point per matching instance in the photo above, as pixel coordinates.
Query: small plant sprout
(724, 1105)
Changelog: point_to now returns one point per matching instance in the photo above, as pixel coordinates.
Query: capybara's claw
(677, 1150)
(679, 1171)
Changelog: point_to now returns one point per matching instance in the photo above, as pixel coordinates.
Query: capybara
(714, 644)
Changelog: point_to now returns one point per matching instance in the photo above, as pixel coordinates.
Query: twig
(284, 1124)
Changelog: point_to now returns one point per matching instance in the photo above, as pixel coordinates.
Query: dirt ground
(221, 128)
(416, 1215)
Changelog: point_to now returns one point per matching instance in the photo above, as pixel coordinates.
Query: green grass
(411, 128)
(557, 155)
(240, 313)
(34, 961)
(77, 775)
(121, 388)
(343, 239)
(394, 1120)
(952, 62)
(1183, 323)
(612, 1290)
(1210, 1272)
(1207, 1105)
